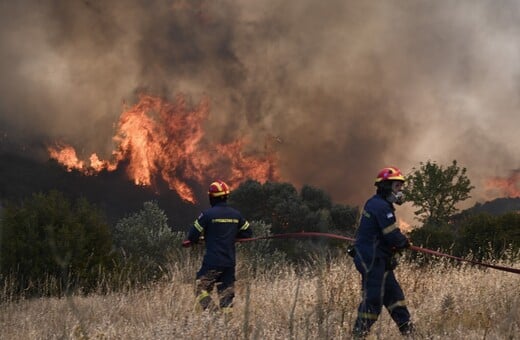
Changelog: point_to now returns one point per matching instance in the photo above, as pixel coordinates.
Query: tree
(435, 190)
(315, 198)
(344, 217)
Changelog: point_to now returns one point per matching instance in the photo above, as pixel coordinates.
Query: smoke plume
(343, 88)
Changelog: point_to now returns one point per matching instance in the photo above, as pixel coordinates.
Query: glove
(186, 243)
(398, 250)
(351, 251)
(406, 245)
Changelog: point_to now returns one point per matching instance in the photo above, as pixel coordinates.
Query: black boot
(359, 334)
(407, 329)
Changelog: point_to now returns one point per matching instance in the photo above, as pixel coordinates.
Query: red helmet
(218, 189)
(389, 174)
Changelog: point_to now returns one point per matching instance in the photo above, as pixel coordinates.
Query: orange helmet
(218, 189)
(389, 174)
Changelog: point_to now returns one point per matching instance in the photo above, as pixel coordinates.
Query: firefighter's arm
(395, 238)
(196, 232)
(244, 230)
(391, 232)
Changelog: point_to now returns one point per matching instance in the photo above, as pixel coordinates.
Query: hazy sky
(346, 87)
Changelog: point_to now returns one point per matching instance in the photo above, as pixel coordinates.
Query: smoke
(343, 87)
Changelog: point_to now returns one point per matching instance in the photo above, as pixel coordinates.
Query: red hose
(415, 248)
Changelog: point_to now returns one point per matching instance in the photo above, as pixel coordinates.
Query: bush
(490, 236)
(481, 236)
(144, 240)
(47, 237)
(284, 210)
(434, 237)
(261, 255)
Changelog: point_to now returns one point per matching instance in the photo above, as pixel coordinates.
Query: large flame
(508, 186)
(156, 138)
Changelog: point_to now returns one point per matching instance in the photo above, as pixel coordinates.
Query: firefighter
(378, 238)
(219, 226)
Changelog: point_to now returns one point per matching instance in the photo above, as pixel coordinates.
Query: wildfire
(508, 186)
(66, 155)
(404, 226)
(160, 139)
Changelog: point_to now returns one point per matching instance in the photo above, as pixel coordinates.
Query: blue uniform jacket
(220, 225)
(378, 235)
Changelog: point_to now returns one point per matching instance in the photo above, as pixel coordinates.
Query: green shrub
(144, 240)
(434, 237)
(260, 255)
(47, 237)
(280, 206)
(491, 236)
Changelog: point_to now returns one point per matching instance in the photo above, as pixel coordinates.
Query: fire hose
(345, 238)
(412, 247)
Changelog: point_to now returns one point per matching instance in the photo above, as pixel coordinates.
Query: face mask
(396, 198)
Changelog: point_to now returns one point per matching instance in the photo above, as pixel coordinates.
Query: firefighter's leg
(372, 281)
(395, 304)
(226, 289)
(206, 279)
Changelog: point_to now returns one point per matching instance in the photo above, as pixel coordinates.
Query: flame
(159, 139)
(66, 155)
(508, 186)
(404, 226)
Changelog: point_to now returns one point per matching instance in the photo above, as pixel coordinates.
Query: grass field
(278, 302)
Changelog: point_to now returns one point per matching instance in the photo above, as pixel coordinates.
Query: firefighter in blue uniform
(220, 226)
(378, 238)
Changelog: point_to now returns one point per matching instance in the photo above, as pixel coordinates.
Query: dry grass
(446, 302)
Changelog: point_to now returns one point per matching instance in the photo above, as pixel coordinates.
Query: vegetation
(48, 236)
(280, 302)
(144, 239)
(483, 236)
(140, 281)
(284, 210)
(281, 206)
(488, 236)
(54, 238)
(435, 190)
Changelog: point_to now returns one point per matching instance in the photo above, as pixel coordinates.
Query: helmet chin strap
(396, 198)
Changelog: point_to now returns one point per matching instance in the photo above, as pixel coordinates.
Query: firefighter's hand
(401, 248)
(186, 243)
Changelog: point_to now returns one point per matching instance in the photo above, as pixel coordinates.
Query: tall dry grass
(278, 302)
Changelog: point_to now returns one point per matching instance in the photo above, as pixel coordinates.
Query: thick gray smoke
(343, 87)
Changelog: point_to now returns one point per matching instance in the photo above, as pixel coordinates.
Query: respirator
(397, 198)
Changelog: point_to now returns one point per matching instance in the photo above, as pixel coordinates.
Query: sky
(342, 87)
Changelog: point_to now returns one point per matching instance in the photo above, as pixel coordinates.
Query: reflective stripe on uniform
(245, 226)
(227, 310)
(389, 229)
(400, 303)
(224, 220)
(366, 214)
(204, 294)
(369, 316)
(198, 226)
